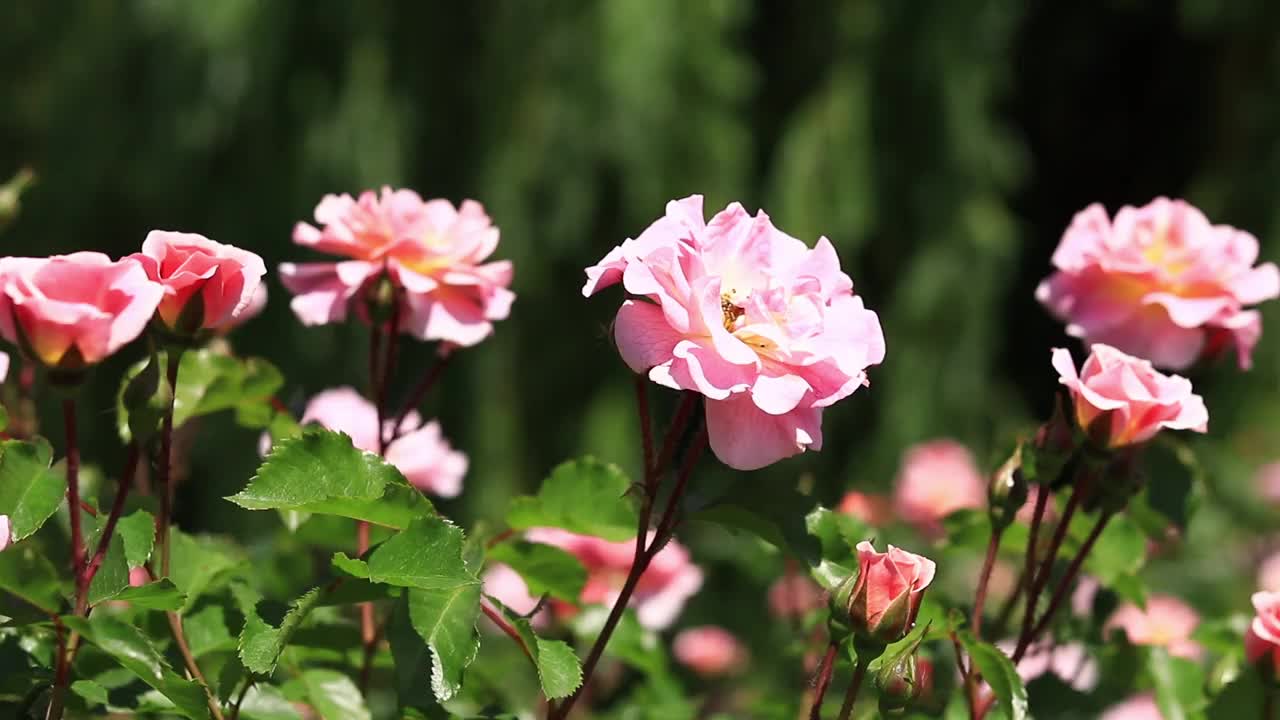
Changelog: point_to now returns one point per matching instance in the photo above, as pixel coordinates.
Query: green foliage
(1179, 685)
(26, 572)
(998, 671)
(30, 491)
(138, 531)
(159, 595)
(260, 643)
(334, 695)
(585, 496)
(559, 670)
(200, 565)
(546, 569)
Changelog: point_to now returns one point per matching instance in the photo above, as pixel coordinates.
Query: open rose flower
(1138, 707)
(1269, 573)
(504, 583)
(794, 595)
(885, 598)
(1167, 622)
(1122, 400)
(421, 452)
(6, 532)
(207, 284)
(670, 580)
(767, 329)
(709, 650)
(432, 252)
(1160, 282)
(937, 478)
(1070, 662)
(1262, 640)
(257, 303)
(70, 311)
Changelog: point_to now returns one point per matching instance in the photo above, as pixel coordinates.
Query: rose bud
(882, 602)
(1007, 491)
(1262, 641)
(207, 285)
(903, 681)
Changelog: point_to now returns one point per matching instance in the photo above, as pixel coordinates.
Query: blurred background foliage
(942, 146)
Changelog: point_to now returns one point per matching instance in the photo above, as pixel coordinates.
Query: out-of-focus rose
(873, 510)
(1263, 636)
(6, 532)
(1122, 400)
(1138, 707)
(1167, 622)
(1160, 282)
(794, 595)
(670, 580)
(1267, 480)
(936, 479)
(505, 584)
(70, 311)
(432, 252)
(207, 284)
(765, 328)
(1083, 596)
(1269, 573)
(4, 366)
(421, 452)
(882, 602)
(709, 650)
(1071, 663)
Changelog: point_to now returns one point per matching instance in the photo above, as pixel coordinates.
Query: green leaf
(1120, 551)
(320, 471)
(837, 534)
(138, 531)
(559, 670)
(159, 595)
(775, 513)
(199, 564)
(998, 671)
(583, 496)
(140, 403)
(131, 649)
(112, 577)
(446, 619)
(1239, 699)
(207, 631)
(264, 702)
(93, 693)
(28, 574)
(30, 492)
(546, 569)
(1173, 479)
(411, 656)
(260, 643)
(427, 555)
(1179, 685)
(334, 696)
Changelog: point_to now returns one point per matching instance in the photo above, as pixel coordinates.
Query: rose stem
(1064, 586)
(822, 681)
(851, 694)
(62, 670)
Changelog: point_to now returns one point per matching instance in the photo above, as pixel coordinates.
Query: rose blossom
(766, 329)
(1128, 398)
(1166, 622)
(1269, 573)
(937, 478)
(1138, 707)
(420, 453)
(1263, 637)
(74, 310)
(871, 509)
(1159, 282)
(191, 266)
(794, 595)
(709, 651)
(505, 584)
(669, 581)
(885, 597)
(257, 303)
(432, 252)
(6, 532)
(1070, 662)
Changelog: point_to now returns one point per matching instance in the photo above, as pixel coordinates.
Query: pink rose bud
(1160, 282)
(794, 595)
(72, 311)
(1167, 622)
(883, 600)
(767, 329)
(138, 577)
(6, 532)
(207, 285)
(432, 253)
(420, 452)
(709, 651)
(1138, 707)
(1121, 400)
(937, 478)
(1262, 640)
(873, 510)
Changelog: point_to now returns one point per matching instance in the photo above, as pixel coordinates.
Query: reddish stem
(851, 694)
(164, 466)
(505, 627)
(73, 484)
(1046, 567)
(822, 681)
(988, 563)
(678, 423)
(1064, 586)
(419, 392)
(117, 508)
(646, 428)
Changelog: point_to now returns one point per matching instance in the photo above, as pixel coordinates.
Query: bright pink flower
(421, 452)
(1269, 573)
(74, 310)
(1167, 622)
(505, 584)
(670, 580)
(767, 329)
(885, 598)
(1159, 282)
(709, 651)
(189, 266)
(432, 252)
(937, 478)
(1267, 480)
(1138, 707)
(6, 532)
(1263, 636)
(794, 595)
(871, 509)
(1128, 399)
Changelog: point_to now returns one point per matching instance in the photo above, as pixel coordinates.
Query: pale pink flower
(1122, 400)
(1263, 636)
(709, 650)
(1267, 481)
(765, 328)
(74, 310)
(1167, 622)
(871, 509)
(505, 584)
(1269, 573)
(794, 595)
(421, 452)
(1138, 707)
(432, 252)
(936, 479)
(1071, 663)
(1160, 282)
(6, 532)
(193, 268)
(666, 585)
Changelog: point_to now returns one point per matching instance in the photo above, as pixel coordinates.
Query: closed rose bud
(903, 681)
(882, 602)
(1007, 492)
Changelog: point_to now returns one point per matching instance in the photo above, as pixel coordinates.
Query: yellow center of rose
(731, 312)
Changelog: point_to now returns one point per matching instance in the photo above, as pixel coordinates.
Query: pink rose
(670, 580)
(505, 584)
(884, 599)
(1269, 573)
(1159, 282)
(1263, 637)
(871, 509)
(421, 452)
(1167, 622)
(794, 595)
(709, 651)
(767, 329)
(257, 303)
(1127, 398)
(432, 252)
(1070, 662)
(937, 478)
(74, 310)
(6, 532)
(1138, 707)
(189, 266)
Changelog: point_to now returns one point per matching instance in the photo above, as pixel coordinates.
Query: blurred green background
(942, 146)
